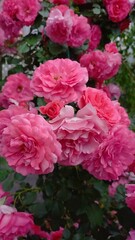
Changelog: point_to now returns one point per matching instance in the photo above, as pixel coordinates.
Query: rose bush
(67, 141)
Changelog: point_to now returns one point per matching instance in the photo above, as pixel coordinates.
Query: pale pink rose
(131, 235)
(79, 135)
(80, 31)
(101, 65)
(117, 10)
(113, 155)
(51, 109)
(60, 1)
(15, 224)
(113, 91)
(130, 196)
(17, 87)
(6, 196)
(59, 24)
(59, 80)
(27, 11)
(95, 37)
(112, 189)
(105, 107)
(29, 145)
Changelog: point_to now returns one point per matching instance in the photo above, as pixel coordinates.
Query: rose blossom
(95, 37)
(6, 114)
(28, 11)
(59, 80)
(57, 235)
(130, 196)
(15, 224)
(117, 10)
(113, 156)
(113, 91)
(6, 196)
(105, 108)
(131, 235)
(124, 118)
(29, 145)
(51, 109)
(59, 24)
(79, 1)
(102, 65)
(79, 135)
(80, 31)
(17, 87)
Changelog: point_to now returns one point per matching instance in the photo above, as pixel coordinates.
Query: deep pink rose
(105, 107)
(124, 118)
(2, 37)
(51, 109)
(29, 145)
(95, 37)
(113, 155)
(117, 9)
(79, 135)
(60, 79)
(17, 87)
(131, 235)
(59, 24)
(80, 31)
(57, 235)
(130, 196)
(79, 1)
(15, 224)
(102, 65)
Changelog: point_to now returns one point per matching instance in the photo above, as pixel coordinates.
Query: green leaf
(96, 11)
(3, 174)
(19, 177)
(23, 47)
(33, 40)
(95, 215)
(38, 209)
(66, 234)
(29, 198)
(56, 49)
(8, 184)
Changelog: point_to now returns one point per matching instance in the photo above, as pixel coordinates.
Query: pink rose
(28, 11)
(124, 118)
(51, 109)
(117, 10)
(113, 156)
(79, 135)
(102, 65)
(57, 235)
(6, 114)
(17, 87)
(7, 199)
(15, 224)
(112, 189)
(2, 37)
(130, 196)
(105, 107)
(131, 235)
(95, 37)
(59, 24)
(80, 31)
(113, 91)
(59, 80)
(29, 145)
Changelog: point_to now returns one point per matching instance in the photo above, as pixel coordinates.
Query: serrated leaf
(3, 174)
(95, 216)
